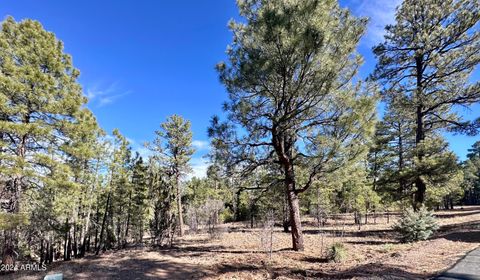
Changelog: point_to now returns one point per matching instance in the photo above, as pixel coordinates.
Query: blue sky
(142, 61)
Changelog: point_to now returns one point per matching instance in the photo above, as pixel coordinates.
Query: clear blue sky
(142, 61)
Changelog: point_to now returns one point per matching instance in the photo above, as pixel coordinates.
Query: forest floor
(237, 253)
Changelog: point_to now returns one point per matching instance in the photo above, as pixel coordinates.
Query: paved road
(467, 268)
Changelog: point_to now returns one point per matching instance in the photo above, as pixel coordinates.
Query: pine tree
(138, 202)
(427, 59)
(40, 105)
(173, 148)
(116, 194)
(292, 103)
(390, 156)
(471, 170)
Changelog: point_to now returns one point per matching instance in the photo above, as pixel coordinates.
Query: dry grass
(373, 253)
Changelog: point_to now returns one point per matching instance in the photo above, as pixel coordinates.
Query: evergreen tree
(40, 107)
(292, 103)
(162, 194)
(427, 59)
(173, 147)
(471, 170)
(138, 202)
(116, 194)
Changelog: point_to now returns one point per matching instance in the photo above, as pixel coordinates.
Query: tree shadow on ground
(368, 271)
(131, 268)
(314, 259)
(472, 236)
(383, 233)
(373, 242)
(461, 226)
(456, 215)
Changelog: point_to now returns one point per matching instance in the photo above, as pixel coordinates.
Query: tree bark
(420, 135)
(286, 214)
(128, 220)
(295, 222)
(103, 225)
(179, 206)
(42, 255)
(65, 244)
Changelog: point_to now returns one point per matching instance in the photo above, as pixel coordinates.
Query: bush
(227, 216)
(416, 226)
(337, 252)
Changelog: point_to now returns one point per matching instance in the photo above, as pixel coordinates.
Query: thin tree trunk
(128, 219)
(97, 219)
(42, 255)
(65, 244)
(286, 214)
(69, 247)
(103, 225)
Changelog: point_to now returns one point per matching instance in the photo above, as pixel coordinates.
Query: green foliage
(173, 145)
(10, 221)
(40, 109)
(425, 65)
(227, 216)
(163, 221)
(337, 252)
(138, 205)
(471, 171)
(49, 145)
(294, 109)
(416, 225)
(173, 150)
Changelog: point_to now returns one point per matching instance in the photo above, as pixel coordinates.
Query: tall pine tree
(292, 101)
(427, 58)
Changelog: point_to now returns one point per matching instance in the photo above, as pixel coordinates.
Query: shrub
(227, 216)
(416, 226)
(337, 252)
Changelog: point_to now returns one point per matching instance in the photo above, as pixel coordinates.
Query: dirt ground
(237, 253)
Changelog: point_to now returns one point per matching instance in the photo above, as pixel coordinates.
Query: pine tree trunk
(295, 222)
(50, 253)
(420, 135)
(179, 206)
(69, 247)
(47, 253)
(42, 256)
(128, 220)
(103, 225)
(97, 219)
(286, 214)
(87, 249)
(403, 184)
(65, 244)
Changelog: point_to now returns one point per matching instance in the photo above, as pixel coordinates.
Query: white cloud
(380, 12)
(139, 147)
(104, 95)
(201, 145)
(199, 167)
(142, 151)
